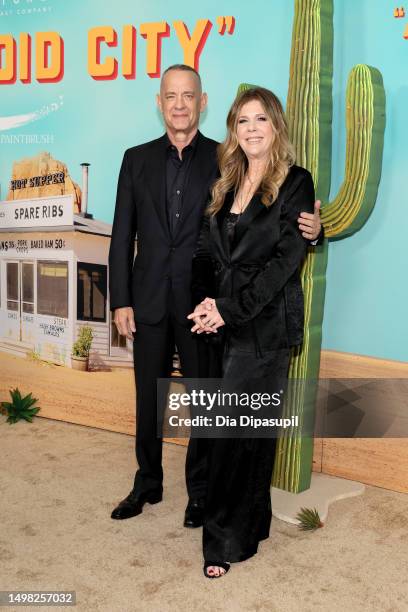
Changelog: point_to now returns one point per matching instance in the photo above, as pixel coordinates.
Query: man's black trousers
(153, 349)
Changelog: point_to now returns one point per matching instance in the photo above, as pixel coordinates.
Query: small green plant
(20, 407)
(309, 520)
(83, 344)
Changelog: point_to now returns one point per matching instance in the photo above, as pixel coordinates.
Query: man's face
(181, 100)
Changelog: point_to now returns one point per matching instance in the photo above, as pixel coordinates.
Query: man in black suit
(162, 192)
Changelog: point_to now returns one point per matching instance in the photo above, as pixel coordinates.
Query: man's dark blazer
(161, 269)
(257, 282)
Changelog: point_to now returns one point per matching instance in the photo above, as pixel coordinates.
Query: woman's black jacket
(256, 282)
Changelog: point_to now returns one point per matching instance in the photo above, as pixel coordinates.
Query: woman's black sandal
(207, 564)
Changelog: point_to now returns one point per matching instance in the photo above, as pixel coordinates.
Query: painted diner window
(52, 288)
(12, 286)
(91, 292)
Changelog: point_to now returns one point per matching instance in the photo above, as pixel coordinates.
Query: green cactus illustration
(309, 115)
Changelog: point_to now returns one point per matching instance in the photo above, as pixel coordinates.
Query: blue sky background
(367, 295)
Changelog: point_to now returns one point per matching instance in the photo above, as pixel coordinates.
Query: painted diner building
(53, 280)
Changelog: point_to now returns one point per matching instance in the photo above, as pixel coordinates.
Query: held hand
(197, 316)
(309, 224)
(206, 317)
(125, 321)
(200, 310)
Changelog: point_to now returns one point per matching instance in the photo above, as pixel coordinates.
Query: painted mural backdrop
(79, 79)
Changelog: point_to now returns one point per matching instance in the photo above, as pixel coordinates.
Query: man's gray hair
(182, 67)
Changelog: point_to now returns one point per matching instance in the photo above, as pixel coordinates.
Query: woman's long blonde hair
(233, 162)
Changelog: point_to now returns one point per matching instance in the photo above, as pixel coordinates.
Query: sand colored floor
(59, 483)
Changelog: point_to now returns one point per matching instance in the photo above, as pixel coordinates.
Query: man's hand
(125, 321)
(309, 224)
(206, 317)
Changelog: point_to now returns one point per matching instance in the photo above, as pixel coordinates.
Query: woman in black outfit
(250, 238)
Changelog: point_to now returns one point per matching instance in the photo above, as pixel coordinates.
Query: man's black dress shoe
(133, 504)
(194, 515)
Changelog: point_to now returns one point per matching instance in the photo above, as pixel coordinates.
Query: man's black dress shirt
(177, 173)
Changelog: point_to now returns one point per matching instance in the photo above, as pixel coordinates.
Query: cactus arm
(365, 124)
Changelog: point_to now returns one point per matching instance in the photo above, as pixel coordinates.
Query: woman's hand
(206, 317)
